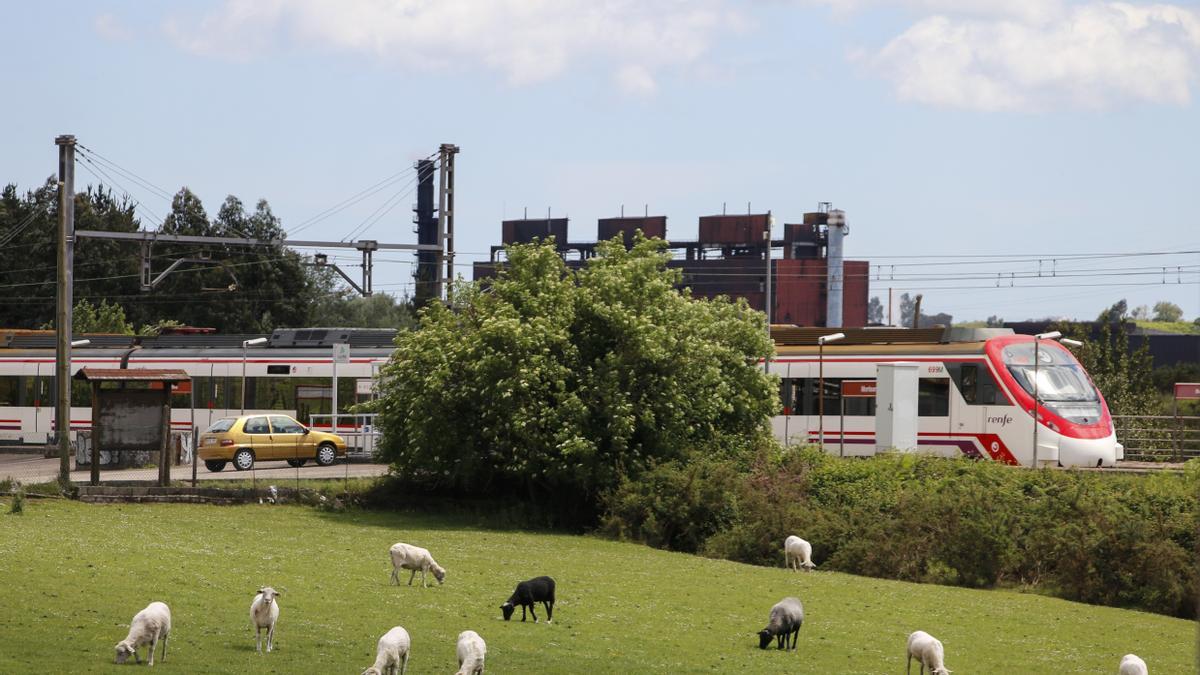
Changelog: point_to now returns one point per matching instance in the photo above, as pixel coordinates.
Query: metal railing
(357, 429)
(1159, 437)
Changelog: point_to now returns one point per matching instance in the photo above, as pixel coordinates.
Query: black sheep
(786, 618)
(538, 589)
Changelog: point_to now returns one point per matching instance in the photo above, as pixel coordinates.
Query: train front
(1074, 425)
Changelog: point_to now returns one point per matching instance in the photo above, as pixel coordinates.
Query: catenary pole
(63, 318)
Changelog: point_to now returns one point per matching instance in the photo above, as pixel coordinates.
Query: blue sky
(981, 134)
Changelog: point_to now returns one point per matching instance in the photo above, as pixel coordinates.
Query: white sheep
(928, 652)
(264, 612)
(471, 652)
(415, 558)
(797, 553)
(392, 653)
(149, 626)
(1132, 664)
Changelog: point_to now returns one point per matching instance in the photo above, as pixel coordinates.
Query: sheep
(471, 652)
(785, 620)
(538, 589)
(392, 653)
(405, 556)
(1132, 664)
(928, 652)
(264, 612)
(797, 554)
(148, 626)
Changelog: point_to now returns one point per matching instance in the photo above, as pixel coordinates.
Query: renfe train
(292, 372)
(974, 397)
(974, 392)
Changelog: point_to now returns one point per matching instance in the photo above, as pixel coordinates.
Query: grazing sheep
(264, 612)
(149, 626)
(785, 620)
(1132, 664)
(538, 589)
(797, 554)
(928, 652)
(391, 654)
(471, 652)
(405, 556)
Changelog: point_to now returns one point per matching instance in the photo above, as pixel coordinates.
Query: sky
(973, 144)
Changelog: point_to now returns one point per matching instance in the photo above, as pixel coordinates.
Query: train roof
(284, 338)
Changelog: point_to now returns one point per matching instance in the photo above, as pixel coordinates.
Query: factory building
(810, 284)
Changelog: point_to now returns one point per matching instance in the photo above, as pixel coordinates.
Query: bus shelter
(131, 413)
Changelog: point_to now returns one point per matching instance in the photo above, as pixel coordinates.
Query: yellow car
(244, 440)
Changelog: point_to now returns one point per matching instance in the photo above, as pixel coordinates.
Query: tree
(875, 311)
(1167, 311)
(1140, 313)
(1124, 377)
(1115, 314)
(553, 385)
(101, 318)
(995, 321)
(907, 307)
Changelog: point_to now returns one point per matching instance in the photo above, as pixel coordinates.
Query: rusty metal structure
(730, 257)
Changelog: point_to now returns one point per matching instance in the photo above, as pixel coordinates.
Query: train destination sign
(858, 388)
(1187, 391)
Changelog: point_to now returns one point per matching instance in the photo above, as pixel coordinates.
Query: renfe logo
(1002, 420)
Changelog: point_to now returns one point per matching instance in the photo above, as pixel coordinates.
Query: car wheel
(297, 462)
(326, 454)
(243, 459)
(214, 464)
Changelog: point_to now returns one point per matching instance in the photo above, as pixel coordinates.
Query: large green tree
(552, 385)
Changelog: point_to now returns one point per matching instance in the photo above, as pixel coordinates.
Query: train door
(967, 412)
(933, 411)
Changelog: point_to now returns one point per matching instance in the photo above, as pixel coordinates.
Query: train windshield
(1059, 378)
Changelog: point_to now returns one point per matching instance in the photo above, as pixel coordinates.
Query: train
(974, 392)
(974, 395)
(292, 372)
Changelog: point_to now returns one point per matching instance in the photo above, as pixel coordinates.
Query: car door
(287, 437)
(259, 432)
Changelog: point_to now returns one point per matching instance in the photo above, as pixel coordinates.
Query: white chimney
(836, 231)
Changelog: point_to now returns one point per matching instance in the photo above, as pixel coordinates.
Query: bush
(1103, 538)
(17, 505)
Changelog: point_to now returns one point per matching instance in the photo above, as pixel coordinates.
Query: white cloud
(635, 80)
(1093, 55)
(110, 27)
(1022, 9)
(525, 40)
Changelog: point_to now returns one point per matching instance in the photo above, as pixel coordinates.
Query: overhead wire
(353, 199)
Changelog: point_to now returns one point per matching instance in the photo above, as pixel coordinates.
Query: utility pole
(446, 153)
(767, 300)
(66, 263)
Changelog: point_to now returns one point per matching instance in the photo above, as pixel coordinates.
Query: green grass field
(75, 574)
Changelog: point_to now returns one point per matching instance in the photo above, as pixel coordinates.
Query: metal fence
(1159, 437)
(357, 429)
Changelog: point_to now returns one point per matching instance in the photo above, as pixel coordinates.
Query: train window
(976, 384)
(279, 370)
(785, 394)
(933, 397)
(8, 390)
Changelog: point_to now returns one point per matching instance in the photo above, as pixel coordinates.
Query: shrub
(1103, 538)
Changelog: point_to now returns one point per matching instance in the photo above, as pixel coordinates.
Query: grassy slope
(1180, 327)
(82, 572)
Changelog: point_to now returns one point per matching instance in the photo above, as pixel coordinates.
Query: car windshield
(223, 424)
(1059, 378)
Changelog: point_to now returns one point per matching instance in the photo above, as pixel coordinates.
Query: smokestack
(836, 231)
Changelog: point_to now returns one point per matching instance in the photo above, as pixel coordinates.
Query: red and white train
(974, 396)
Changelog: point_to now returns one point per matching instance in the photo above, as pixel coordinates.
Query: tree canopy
(553, 384)
(242, 289)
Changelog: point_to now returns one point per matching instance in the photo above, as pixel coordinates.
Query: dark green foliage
(1113, 539)
(252, 289)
